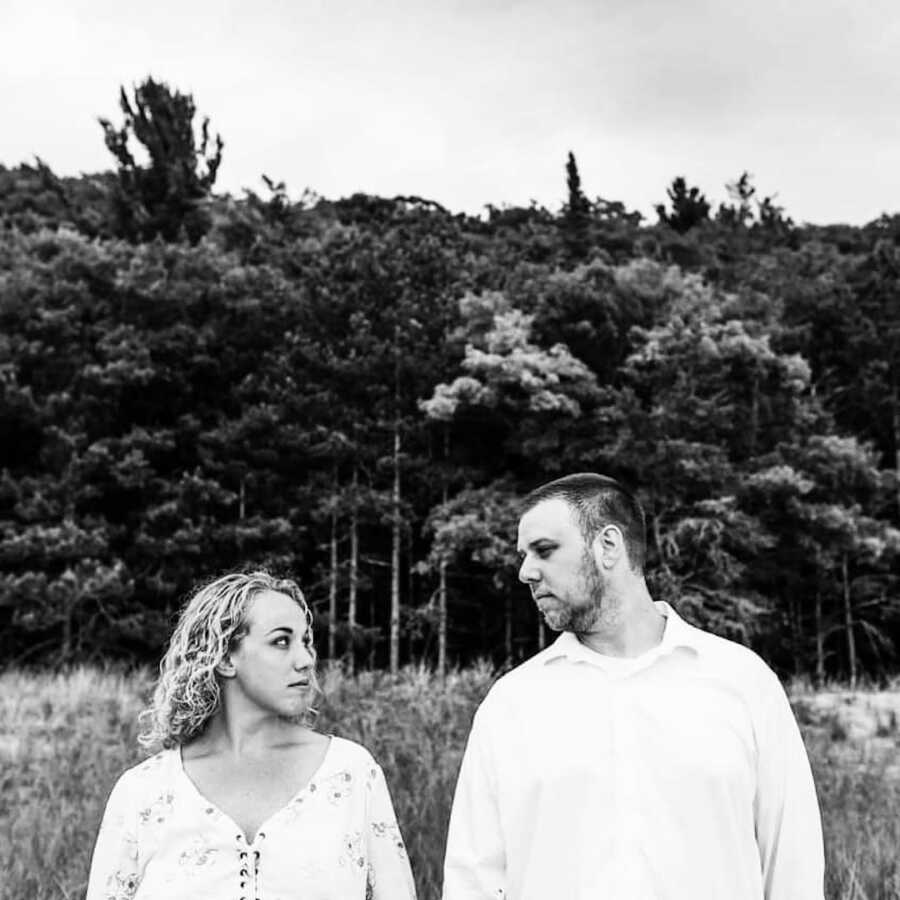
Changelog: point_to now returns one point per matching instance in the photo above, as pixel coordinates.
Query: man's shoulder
(519, 680)
(729, 658)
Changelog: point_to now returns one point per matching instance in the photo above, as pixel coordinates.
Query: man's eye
(544, 552)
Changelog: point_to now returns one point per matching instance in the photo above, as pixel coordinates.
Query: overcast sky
(470, 102)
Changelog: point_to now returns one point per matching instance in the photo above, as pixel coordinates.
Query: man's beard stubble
(585, 617)
(582, 618)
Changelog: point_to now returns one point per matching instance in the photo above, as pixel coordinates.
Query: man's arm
(475, 863)
(788, 823)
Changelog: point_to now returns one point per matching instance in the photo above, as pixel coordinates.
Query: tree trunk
(896, 422)
(754, 413)
(67, 647)
(508, 631)
(820, 642)
(333, 588)
(410, 589)
(371, 623)
(442, 618)
(354, 577)
(242, 498)
(395, 558)
(796, 635)
(657, 539)
(541, 633)
(397, 523)
(848, 623)
(442, 577)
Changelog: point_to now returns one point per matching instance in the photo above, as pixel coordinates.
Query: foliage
(165, 196)
(576, 214)
(356, 391)
(689, 207)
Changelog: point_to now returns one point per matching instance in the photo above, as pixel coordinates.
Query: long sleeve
(788, 823)
(389, 874)
(115, 872)
(475, 863)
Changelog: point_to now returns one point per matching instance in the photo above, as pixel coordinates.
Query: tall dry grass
(65, 738)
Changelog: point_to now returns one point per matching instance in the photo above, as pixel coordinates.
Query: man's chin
(556, 622)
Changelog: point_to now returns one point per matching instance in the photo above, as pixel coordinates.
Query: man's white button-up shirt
(677, 775)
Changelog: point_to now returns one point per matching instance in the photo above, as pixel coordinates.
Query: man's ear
(608, 546)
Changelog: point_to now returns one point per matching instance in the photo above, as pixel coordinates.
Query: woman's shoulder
(149, 775)
(348, 753)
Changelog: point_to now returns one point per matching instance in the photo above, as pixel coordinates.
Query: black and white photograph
(450, 450)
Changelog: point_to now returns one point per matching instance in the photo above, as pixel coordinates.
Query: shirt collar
(677, 633)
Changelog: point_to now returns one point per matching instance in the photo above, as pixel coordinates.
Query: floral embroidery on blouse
(354, 855)
(338, 787)
(159, 810)
(122, 886)
(391, 831)
(153, 762)
(197, 854)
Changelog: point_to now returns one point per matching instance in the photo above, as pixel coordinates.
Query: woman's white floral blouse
(337, 839)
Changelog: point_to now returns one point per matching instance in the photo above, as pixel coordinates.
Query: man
(637, 757)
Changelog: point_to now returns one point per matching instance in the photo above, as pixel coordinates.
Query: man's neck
(629, 624)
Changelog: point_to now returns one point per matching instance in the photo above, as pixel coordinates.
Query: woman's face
(273, 668)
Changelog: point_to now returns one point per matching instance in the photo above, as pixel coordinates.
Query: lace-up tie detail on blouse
(249, 856)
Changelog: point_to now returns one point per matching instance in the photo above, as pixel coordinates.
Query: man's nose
(528, 571)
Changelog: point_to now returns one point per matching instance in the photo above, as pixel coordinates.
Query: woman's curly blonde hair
(210, 625)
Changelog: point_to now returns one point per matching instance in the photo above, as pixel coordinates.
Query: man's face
(272, 664)
(559, 567)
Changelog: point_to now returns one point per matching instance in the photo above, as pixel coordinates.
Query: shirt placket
(249, 857)
(632, 823)
(624, 780)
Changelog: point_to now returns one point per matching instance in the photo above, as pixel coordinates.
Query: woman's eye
(282, 641)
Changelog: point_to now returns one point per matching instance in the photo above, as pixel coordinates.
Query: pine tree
(689, 207)
(166, 196)
(576, 215)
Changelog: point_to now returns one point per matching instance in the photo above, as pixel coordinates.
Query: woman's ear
(226, 667)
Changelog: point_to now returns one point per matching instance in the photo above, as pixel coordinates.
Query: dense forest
(356, 392)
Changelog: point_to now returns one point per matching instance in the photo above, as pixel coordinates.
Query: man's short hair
(598, 501)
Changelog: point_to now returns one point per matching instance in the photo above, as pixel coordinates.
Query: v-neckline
(179, 763)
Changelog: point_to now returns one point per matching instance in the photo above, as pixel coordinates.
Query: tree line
(357, 391)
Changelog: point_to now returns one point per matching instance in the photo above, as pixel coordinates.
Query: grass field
(65, 738)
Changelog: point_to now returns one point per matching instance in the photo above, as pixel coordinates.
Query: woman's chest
(252, 793)
(314, 847)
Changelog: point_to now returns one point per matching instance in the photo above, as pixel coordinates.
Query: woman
(246, 801)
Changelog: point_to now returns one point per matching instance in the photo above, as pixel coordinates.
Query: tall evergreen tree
(576, 214)
(689, 207)
(166, 196)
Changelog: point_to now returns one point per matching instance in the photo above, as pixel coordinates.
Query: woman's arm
(389, 873)
(115, 871)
